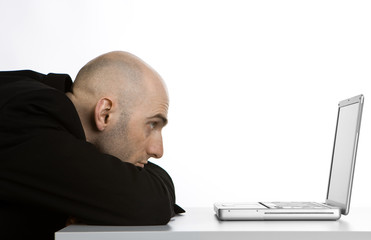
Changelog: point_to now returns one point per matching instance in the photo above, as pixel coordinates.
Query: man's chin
(139, 165)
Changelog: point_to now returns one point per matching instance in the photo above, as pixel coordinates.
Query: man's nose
(155, 148)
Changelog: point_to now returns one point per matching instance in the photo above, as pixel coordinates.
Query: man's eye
(153, 125)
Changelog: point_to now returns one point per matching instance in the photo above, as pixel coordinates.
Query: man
(79, 152)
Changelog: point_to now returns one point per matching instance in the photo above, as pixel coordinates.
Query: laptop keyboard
(294, 205)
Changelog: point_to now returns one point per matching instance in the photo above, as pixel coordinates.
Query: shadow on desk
(100, 228)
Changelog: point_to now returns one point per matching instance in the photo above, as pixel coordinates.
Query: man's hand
(72, 220)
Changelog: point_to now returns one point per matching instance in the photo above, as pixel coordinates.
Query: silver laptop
(340, 180)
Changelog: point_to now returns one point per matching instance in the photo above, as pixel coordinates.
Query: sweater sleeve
(46, 164)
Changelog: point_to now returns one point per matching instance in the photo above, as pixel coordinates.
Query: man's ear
(102, 113)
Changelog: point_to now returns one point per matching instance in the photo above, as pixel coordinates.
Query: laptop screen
(344, 153)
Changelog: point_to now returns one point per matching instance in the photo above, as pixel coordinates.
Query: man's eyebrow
(160, 116)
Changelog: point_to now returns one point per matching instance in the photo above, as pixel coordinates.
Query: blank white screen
(343, 154)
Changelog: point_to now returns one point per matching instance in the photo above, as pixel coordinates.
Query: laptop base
(259, 211)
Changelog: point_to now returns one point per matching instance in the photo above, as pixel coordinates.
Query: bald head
(114, 74)
(122, 103)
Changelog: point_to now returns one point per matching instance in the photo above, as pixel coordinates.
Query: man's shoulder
(12, 76)
(26, 84)
(17, 89)
(28, 103)
(58, 81)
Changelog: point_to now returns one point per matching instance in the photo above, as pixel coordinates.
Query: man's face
(139, 138)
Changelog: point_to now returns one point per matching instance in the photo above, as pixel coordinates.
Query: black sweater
(48, 171)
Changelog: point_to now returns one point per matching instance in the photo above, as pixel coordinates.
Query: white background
(254, 85)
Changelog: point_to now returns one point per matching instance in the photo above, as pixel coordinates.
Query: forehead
(154, 98)
(155, 85)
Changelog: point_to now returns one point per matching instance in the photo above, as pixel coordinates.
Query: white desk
(201, 223)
